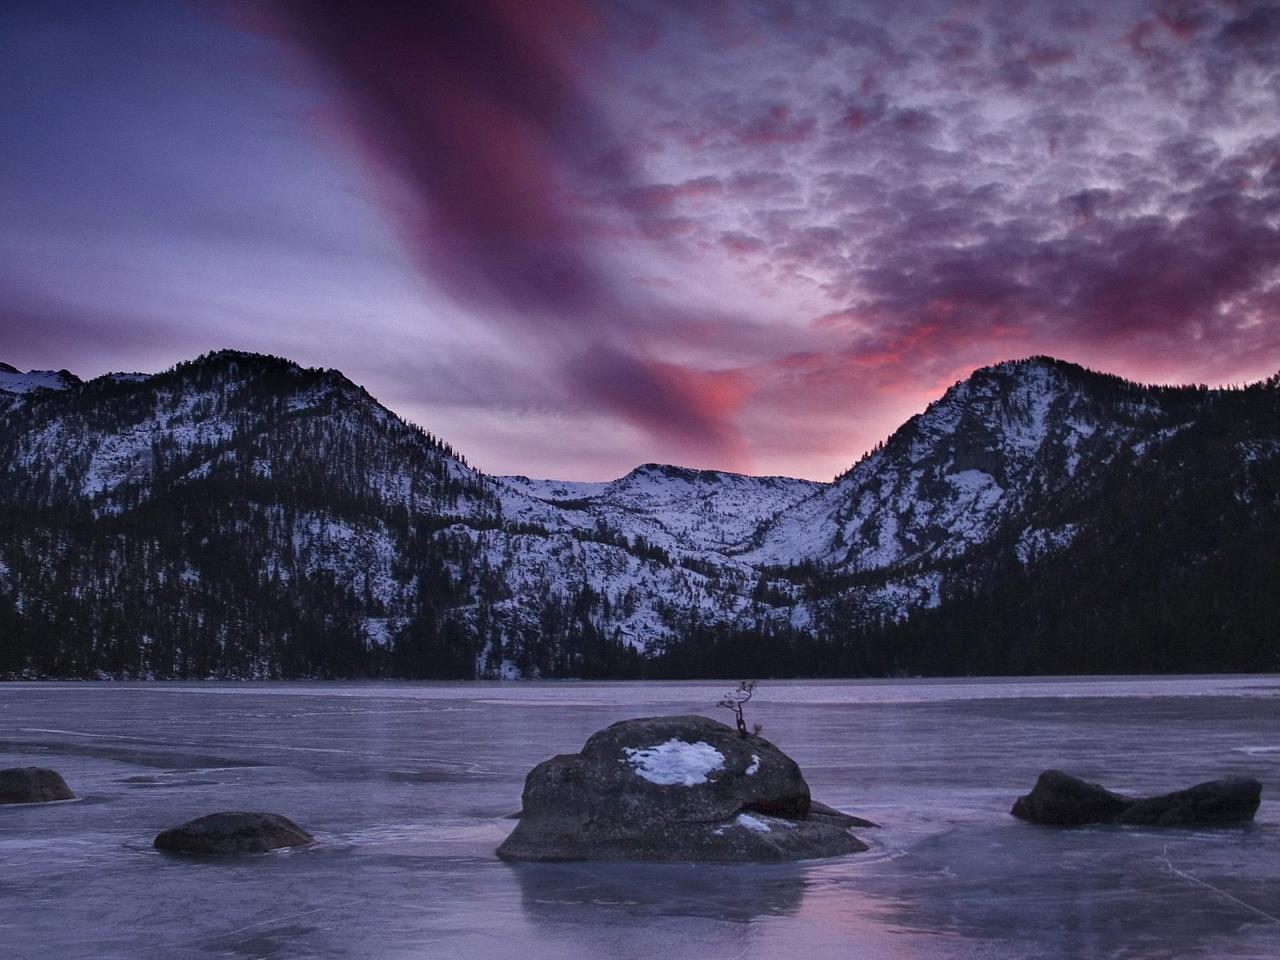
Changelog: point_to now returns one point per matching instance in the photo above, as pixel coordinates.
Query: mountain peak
(234, 359)
(13, 380)
(1076, 373)
(668, 471)
(1036, 360)
(242, 365)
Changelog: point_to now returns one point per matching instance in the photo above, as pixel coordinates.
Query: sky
(574, 236)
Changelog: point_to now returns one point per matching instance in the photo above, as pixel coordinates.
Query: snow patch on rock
(748, 822)
(676, 762)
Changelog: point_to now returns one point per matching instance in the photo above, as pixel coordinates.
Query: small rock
(33, 785)
(224, 833)
(1063, 800)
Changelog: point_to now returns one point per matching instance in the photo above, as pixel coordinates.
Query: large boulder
(33, 785)
(674, 788)
(225, 833)
(1063, 800)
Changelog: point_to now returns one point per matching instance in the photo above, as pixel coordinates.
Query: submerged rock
(1063, 800)
(33, 785)
(222, 833)
(674, 788)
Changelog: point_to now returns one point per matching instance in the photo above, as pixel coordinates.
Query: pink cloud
(489, 153)
(687, 408)
(859, 180)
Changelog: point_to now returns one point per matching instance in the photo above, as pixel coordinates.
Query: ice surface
(408, 786)
(676, 762)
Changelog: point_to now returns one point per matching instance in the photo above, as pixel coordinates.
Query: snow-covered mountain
(14, 384)
(323, 488)
(241, 515)
(696, 513)
(14, 381)
(1007, 442)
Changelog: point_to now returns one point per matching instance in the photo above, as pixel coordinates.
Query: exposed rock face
(674, 788)
(820, 812)
(224, 833)
(1063, 800)
(33, 785)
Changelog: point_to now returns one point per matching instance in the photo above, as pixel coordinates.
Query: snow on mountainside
(1009, 438)
(683, 511)
(331, 478)
(121, 437)
(14, 381)
(292, 525)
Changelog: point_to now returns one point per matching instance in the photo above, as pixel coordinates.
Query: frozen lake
(406, 787)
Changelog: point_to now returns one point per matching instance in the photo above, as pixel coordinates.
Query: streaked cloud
(752, 235)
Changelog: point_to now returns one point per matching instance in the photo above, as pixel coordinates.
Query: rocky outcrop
(227, 833)
(33, 785)
(1217, 801)
(1063, 800)
(674, 788)
(1060, 799)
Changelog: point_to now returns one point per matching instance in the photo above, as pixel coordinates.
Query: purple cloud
(750, 233)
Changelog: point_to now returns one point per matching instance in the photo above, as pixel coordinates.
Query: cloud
(725, 233)
(688, 408)
(472, 115)
(898, 195)
(506, 180)
(1256, 32)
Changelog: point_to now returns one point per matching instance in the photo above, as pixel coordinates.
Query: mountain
(1009, 442)
(693, 513)
(14, 383)
(239, 515)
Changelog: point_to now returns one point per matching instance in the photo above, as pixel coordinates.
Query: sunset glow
(571, 237)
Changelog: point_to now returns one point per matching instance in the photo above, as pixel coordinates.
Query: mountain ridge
(233, 355)
(363, 545)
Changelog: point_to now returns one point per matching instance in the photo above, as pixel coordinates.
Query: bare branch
(734, 701)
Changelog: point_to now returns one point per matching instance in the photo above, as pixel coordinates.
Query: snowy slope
(123, 436)
(705, 513)
(1008, 438)
(302, 442)
(16, 382)
(332, 498)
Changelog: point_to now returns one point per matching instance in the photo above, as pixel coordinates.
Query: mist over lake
(407, 786)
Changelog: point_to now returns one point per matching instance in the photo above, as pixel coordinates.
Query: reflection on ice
(582, 894)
